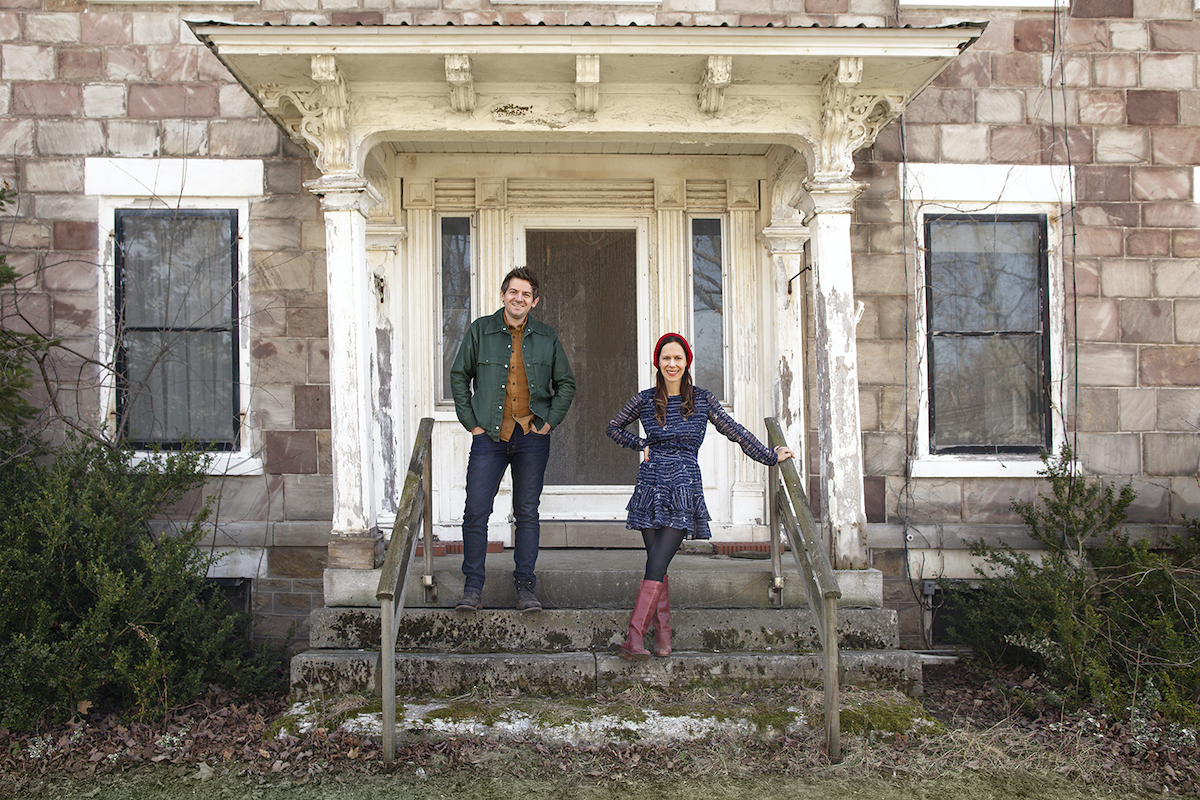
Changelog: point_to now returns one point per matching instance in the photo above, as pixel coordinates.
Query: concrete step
(589, 579)
(597, 630)
(332, 673)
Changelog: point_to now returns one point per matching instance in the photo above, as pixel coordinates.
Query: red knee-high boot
(644, 608)
(662, 622)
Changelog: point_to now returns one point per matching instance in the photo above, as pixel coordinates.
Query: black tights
(661, 546)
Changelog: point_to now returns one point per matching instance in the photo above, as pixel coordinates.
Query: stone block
(10, 26)
(1034, 35)
(1000, 106)
(1185, 499)
(895, 317)
(183, 137)
(1138, 409)
(1097, 411)
(1178, 410)
(965, 144)
(1187, 321)
(325, 452)
(1015, 69)
(1129, 35)
(16, 137)
(1162, 183)
(1097, 320)
(990, 499)
(81, 64)
(237, 102)
(1177, 277)
(282, 177)
(884, 454)
(1105, 183)
(279, 360)
(1100, 9)
(1117, 70)
(308, 497)
(887, 238)
(1176, 146)
(1107, 215)
(312, 407)
(298, 207)
(70, 235)
(1172, 454)
(1058, 148)
(1170, 366)
(70, 137)
(46, 99)
(244, 137)
(1151, 107)
(925, 499)
(151, 101)
(104, 100)
(1161, 71)
(1185, 244)
(132, 139)
(1103, 107)
(1126, 278)
(173, 64)
(126, 64)
(297, 562)
(276, 266)
(256, 499)
(1109, 453)
(1153, 501)
(1148, 243)
(1091, 241)
(880, 274)
(1171, 215)
(23, 62)
(318, 361)
(1147, 321)
(302, 534)
(79, 208)
(881, 362)
(52, 28)
(1107, 365)
(155, 28)
(271, 407)
(58, 175)
(1122, 146)
(290, 452)
(941, 106)
(108, 28)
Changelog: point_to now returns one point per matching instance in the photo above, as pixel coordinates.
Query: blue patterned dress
(669, 491)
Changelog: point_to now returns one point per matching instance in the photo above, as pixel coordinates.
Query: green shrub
(16, 347)
(1100, 616)
(96, 610)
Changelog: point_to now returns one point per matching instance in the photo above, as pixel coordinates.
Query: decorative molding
(587, 84)
(718, 74)
(347, 191)
(491, 192)
(385, 238)
(418, 193)
(670, 194)
(322, 123)
(850, 119)
(461, 82)
(742, 195)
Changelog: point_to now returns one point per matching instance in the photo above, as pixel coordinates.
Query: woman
(668, 501)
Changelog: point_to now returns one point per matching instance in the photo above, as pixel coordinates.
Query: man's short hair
(525, 274)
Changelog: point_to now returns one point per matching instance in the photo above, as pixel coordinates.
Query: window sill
(976, 467)
(230, 464)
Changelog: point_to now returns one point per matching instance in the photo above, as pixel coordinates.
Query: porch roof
(716, 86)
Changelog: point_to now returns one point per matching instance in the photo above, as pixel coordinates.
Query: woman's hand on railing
(784, 453)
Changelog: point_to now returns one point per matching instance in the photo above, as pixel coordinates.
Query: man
(512, 385)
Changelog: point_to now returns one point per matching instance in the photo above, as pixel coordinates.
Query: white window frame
(122, 183)
(937, 189)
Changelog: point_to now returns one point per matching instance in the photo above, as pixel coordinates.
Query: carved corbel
(587, 84)
(718, 74)
(323, 114)
(462, 83)
(850, 119)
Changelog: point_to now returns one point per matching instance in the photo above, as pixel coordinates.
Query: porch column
(355, 541)
(838, 430)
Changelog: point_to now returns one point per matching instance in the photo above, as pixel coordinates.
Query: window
(708, 306)
(456, 291)
(177, 333)
(988, 337)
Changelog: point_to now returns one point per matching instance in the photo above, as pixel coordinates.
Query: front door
(589, 284)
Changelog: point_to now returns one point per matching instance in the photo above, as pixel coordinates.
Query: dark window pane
(456, 291)
(177, 327)
(985, 275)
(988, 391)
(988, 339)
(708, 306)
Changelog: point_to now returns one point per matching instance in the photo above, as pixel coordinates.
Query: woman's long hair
(687, 400)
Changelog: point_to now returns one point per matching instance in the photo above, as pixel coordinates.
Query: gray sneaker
(471, 602)
(526, 602)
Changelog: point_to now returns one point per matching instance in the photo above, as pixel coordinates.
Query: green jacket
(480, 373)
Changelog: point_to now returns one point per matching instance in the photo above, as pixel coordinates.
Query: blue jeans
(527, 454)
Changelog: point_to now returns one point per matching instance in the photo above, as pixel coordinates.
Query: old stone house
(933, 237)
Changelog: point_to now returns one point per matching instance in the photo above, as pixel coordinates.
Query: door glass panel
(588, 289)
(456, 292)
(708, 306)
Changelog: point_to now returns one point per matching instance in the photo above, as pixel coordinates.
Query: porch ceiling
(344, 90)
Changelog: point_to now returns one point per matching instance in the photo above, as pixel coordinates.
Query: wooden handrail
(791, 514)
(414, 509)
